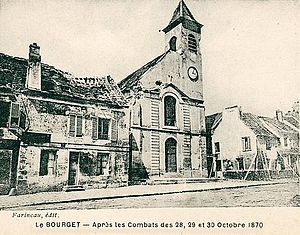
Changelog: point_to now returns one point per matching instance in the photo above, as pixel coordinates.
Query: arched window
(192, 43)
(172, 43)
(170, 111)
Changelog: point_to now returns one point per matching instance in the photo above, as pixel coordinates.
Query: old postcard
(149, 116)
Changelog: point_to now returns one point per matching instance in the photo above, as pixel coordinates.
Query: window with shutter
(76, 125)
(192, 43)
(14, 115)
(100, 129)
(102, 161)
(246, 143)
(51, 164)
(94, 128)
(5, 110)
(114, 130)
(103, 127)
(22, 120)
(79, 126)
(47, 162)
(44, 163)
(72, 125)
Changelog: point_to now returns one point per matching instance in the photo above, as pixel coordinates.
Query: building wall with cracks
(53, 156)
(58, 131)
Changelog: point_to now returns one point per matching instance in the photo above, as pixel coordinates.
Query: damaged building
(246, 146)
(167, 120)
(58, 131)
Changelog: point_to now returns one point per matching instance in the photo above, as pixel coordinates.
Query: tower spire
(183, 15)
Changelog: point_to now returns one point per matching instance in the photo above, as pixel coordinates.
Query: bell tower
(182, 35)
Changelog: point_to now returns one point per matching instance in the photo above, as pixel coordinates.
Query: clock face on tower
(193, 73)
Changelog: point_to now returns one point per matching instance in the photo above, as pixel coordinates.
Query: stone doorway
(5, 169)
(73, 168)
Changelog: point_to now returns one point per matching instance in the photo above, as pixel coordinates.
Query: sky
(250, 49)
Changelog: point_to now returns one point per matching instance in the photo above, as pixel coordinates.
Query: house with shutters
(247, 146)
(58, 131)
(167, 120)
(287, 154)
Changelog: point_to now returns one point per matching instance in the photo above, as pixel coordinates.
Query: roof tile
(132, 80)
(253, 122)
(56, 82)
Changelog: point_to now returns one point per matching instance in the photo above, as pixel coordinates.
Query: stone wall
(30, 180)
(51, 118)
(203, 154)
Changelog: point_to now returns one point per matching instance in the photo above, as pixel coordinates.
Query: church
(166, 106)
(61, 132)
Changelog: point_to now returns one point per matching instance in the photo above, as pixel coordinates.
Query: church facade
(58, 131)
(166, 106)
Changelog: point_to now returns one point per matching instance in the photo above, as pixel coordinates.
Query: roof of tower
(182, 15)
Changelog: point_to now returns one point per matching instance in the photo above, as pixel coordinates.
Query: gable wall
(173, 69)
(229, 134)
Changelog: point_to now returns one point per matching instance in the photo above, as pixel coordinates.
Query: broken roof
(278, 126)
(256, 125)
(133, 79)
(59, 84)
(292, 120)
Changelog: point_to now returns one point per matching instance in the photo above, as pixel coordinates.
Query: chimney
(233, 112)
(296, 107)
(279, 115)
(33, 79)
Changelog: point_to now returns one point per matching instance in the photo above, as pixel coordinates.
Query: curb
(141, 195)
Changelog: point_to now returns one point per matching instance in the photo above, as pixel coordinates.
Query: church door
(170, 155)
